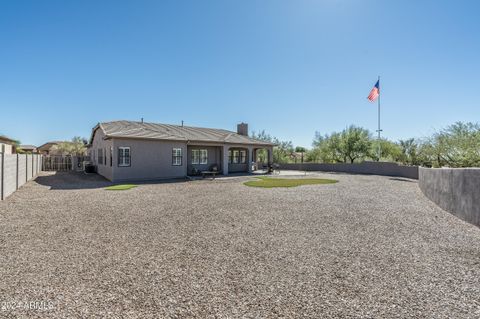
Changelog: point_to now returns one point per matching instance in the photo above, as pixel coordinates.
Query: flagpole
(379, 151)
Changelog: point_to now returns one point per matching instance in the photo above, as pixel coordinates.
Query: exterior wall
(16, 170)
(98, 142)
(149, 160)
(237, 168)
(8, 148)
(152, 159)
(214, 157)
(372, 168)
(455, 190)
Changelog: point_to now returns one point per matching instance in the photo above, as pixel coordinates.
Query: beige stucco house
(47, 147)
(7, 145)
(30, 149)
(127, 150)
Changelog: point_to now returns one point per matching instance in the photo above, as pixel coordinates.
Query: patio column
(225, 160)
(270, 154)
(250, 158)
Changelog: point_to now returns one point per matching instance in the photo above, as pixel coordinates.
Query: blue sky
(289, 67)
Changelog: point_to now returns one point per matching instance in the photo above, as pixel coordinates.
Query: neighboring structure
(127, 150)
(7, 145)
(45, 148)
(31, 149)
(297, 157)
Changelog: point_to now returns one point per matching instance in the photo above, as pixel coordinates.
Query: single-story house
(31, 149)
(46, 148)
(128, 150)
(7, 145)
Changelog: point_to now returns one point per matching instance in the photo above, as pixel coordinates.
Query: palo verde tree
(409, 152)
(458, 145)
(389, 151)
(355, 143)
(352, 144)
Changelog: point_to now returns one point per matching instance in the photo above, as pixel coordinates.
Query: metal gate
(57, 163)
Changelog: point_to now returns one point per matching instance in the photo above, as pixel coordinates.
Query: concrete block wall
(372, 168)
(16, 170)
(29, 166)
(22, 169)
(456, 190)
(9, 175)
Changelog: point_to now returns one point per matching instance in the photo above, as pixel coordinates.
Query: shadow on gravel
(80, 180)
(72, 180)
(399, 179)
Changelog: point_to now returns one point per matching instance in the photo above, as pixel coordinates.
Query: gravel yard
(366, 247)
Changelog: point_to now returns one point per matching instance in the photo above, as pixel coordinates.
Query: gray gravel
(366, 247)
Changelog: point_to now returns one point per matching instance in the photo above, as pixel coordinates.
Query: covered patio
(243, 158)
(226, 159)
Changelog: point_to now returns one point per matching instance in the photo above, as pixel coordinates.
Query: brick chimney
(242, 129)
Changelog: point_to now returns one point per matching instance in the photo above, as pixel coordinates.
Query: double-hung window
(199, 157)
(236, 157)
(177, 156)
(203, 157)
(195, 156)
(243, 156)
(124, 156)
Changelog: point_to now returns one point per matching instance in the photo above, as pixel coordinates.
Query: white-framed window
(100, 156)
(243, 156)
(195, 156)
(203, 157)
(236, 157)
(199, 156)
(177, 157)
(124, 156)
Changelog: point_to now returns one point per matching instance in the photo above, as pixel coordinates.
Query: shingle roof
(5, 139)
(47, 145)
(131, 129)
(27, 147)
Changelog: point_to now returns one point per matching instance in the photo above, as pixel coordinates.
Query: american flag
(375, 92)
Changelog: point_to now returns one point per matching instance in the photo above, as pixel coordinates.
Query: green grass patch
(121, 187)
(269, 182)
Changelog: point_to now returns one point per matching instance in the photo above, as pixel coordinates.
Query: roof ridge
(163, 131)
(172, 125)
